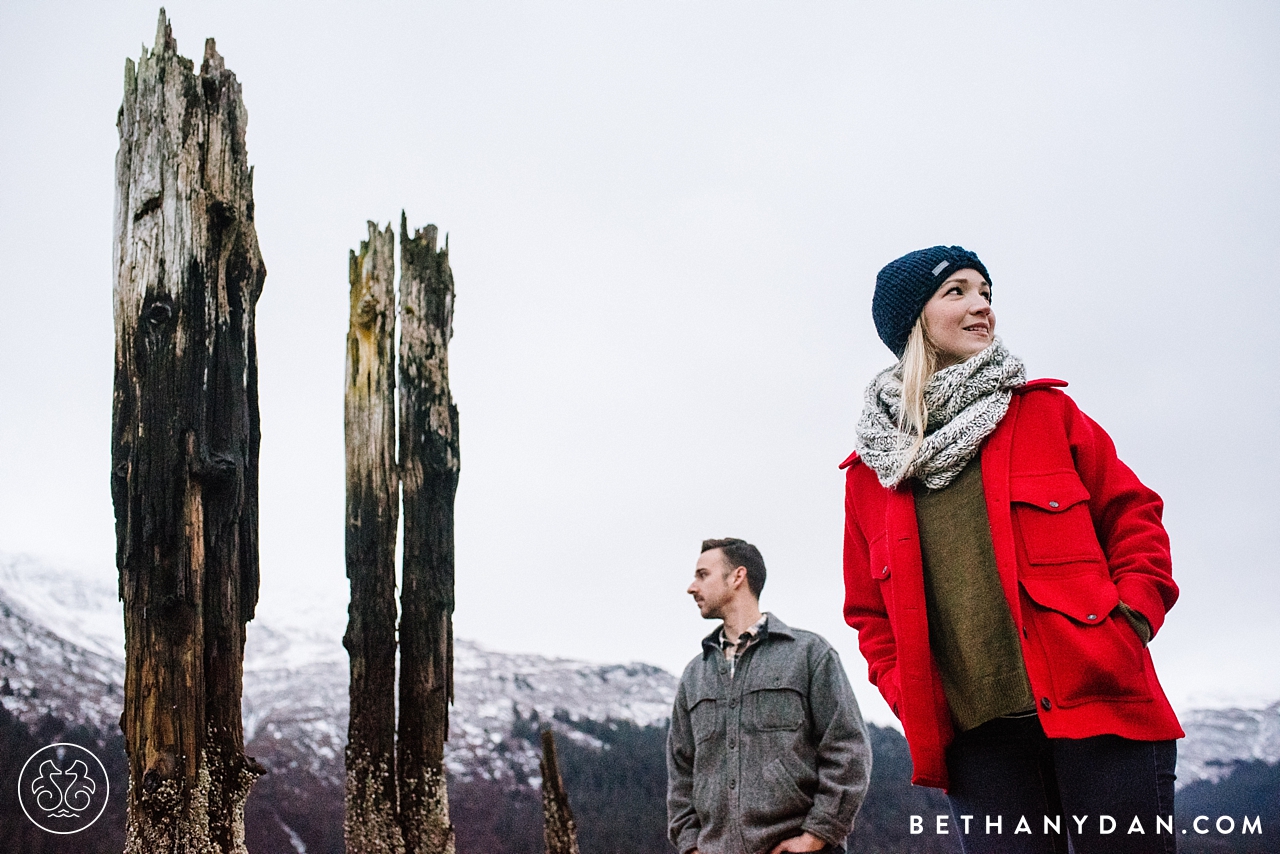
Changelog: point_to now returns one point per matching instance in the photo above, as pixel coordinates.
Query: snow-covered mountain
(61, 652)
(305, 704)
(61, 645)
(61, 642)
(1218, 737)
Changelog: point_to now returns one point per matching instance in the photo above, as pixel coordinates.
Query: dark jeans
(1007, 770)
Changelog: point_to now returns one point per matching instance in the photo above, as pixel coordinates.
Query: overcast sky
(665, 222)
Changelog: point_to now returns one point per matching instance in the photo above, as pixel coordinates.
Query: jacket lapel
(996, 463)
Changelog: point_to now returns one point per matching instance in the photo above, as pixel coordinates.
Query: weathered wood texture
(558, 829)
(184, 449)
(373, 508)
(429, 467)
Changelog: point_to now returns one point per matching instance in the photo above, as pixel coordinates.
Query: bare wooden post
(559, 831)
(372, 516)
(184, 449)
(429, 468)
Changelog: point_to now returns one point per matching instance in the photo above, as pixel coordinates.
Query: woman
(1004, 571)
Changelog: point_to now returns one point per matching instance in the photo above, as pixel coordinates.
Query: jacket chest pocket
(704, 718)
(1051, 512)
(774, 708)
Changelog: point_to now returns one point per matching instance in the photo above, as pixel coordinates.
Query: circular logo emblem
(63, 788)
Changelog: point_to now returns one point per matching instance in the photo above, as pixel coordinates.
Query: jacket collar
(773, 627)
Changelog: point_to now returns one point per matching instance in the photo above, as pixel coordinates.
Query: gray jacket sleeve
(683, 826)
(844, 753)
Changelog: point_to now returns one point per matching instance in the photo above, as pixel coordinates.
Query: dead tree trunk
(429, 468)
(184, 449)
(558, 829)
(372, 515)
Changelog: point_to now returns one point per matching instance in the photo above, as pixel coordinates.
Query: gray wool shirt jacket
(777, 750)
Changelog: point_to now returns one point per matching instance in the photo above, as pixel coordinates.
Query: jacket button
(733, 702)
(884, 571)
(733, 743)
(1053, 504)
(1024, 632)
(733, 784)
(1092, 617)
(1045, 704)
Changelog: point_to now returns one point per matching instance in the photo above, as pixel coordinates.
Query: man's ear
(739, 576)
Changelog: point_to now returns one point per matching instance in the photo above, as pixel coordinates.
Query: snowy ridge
(76, 605)
(57, 653)
(61, 650)
(1218, 737)
(305, 707)
(42, 673)
(495, 691)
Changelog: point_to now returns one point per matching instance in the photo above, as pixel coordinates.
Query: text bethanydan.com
(1104, 825)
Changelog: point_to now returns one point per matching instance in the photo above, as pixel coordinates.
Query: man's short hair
(741, 553)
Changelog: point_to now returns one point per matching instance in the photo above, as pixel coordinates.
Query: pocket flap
(1052, 492)
(762, 678)
(1086, 598)
(698, 692)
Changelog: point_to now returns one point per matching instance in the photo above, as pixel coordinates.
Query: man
(767, 752)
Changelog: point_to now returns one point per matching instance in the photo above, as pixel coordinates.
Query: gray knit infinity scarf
(965, 402)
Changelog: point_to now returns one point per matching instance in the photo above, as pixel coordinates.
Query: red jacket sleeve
(1127, 517)
(864, 605)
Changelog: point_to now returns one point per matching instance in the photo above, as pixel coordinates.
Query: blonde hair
(920, 361)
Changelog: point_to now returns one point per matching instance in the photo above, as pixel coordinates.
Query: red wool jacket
(1074, 532)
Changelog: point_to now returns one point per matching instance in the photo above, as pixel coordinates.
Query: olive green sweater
(971, 631)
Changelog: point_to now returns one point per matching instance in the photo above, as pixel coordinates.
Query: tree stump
(370, 824)
(429, 468)
(184, 449)
(559, 831)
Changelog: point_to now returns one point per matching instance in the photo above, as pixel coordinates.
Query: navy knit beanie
(905, 285)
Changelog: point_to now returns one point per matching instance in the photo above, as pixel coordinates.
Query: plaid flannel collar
(766, 627)
(733, 650)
